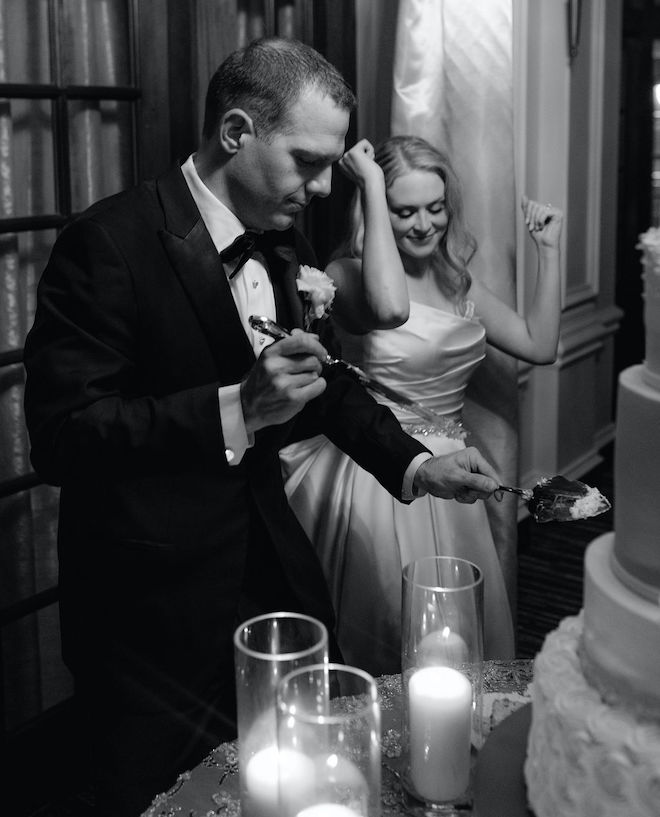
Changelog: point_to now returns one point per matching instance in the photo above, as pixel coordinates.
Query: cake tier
(583, 756)
(637, 499)
(652, 327)
(621, 642)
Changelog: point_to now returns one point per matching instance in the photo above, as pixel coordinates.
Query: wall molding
(584, 333)
(595, 25)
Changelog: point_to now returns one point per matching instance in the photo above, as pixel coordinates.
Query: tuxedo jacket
(135, 330)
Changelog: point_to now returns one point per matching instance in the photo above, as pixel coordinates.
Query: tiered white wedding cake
(594, 742)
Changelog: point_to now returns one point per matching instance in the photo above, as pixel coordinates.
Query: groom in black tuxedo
(160, 413)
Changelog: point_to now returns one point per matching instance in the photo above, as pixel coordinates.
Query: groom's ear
(234, 125)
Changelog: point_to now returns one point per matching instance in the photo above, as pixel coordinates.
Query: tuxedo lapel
(282, 261)
(195, 260)
(288, 251)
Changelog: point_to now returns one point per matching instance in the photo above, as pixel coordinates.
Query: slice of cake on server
(594, 742)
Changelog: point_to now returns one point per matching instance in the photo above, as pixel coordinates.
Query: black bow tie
(240, 250)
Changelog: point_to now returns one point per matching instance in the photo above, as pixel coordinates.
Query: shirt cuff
(409, 490)
(235, 435)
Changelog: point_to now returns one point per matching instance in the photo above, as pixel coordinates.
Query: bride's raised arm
(367, 270)
(534, 335)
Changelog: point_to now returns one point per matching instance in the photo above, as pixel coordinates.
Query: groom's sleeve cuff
(409, 490)
(235, 435)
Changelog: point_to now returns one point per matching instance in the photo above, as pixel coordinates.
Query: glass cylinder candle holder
(266, 648)
(441, 680)
(328, 718)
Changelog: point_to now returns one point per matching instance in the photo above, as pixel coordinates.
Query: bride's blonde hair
(397, 156)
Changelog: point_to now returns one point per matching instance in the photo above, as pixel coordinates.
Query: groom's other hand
(465, 476)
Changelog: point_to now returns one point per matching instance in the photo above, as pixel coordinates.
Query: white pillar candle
(266, 771)
(341, 773)
(328, 810)
(339, 779)
(440, 709)
(442, 648)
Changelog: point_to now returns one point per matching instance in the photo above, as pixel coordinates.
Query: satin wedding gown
(363, 535)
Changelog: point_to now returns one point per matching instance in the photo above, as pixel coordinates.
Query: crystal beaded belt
(453, 429)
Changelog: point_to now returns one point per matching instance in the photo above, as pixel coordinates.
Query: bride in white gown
(405, 267)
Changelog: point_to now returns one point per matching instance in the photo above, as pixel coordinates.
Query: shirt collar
(221, 223)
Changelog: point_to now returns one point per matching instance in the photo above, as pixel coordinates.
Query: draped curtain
(94, 50)
(224, 25)
(453, 85)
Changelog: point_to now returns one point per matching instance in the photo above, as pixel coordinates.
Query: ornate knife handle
(268, 327)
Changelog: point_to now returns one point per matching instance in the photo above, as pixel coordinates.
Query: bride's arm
(371, 291)
(534, 336)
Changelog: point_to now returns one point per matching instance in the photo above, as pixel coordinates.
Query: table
(499, 780)
(211, 788)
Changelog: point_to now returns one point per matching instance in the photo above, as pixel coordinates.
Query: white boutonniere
(319, 293)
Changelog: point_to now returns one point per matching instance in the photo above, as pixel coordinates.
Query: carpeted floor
(550, 565)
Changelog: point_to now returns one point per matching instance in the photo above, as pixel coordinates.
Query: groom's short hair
(265, 78)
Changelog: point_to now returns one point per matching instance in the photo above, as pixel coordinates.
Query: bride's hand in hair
(359, 166)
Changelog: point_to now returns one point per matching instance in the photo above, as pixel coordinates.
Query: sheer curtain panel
(453, 85)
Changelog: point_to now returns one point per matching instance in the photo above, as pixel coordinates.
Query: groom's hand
(285, 377)
(464, 476)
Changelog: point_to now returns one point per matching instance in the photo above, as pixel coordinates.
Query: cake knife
(269, 327)
(551, 499)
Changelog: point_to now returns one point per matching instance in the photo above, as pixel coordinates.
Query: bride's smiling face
(418, 214)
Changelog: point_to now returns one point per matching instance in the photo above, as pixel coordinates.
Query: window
(69, 99)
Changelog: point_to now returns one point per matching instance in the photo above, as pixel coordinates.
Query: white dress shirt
(253, 295)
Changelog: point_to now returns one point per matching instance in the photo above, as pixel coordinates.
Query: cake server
(525, 493)
(268, 327)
